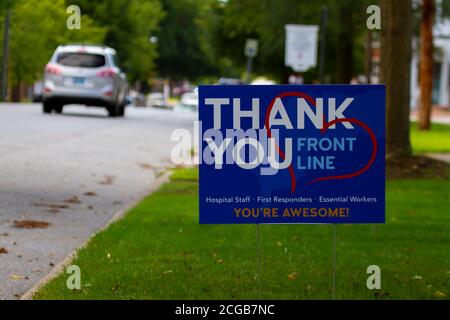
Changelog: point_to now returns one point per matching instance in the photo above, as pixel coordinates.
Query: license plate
(78, 80)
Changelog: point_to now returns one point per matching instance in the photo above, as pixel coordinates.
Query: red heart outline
(326, 125)
(372, 156)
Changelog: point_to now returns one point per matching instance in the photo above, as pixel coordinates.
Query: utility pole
(4, 88)
(248, 72)
(323, 34)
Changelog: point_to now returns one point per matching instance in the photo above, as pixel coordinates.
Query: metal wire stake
(258, 254)
(334, 261)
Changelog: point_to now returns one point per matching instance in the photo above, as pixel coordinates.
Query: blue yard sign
(292, 154)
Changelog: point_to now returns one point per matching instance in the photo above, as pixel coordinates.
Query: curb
(60, 267)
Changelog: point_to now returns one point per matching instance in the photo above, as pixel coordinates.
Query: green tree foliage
(185, 39)
(444, 8)
(37, 28)
(4, 4)
(129, 25)
(265, 20)
(347, 34)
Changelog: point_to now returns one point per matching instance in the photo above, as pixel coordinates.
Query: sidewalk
(438, 115)
(445, 157)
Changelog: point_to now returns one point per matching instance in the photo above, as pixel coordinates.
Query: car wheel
(121, 111)
(47, 107)
(58, 108)
(113, 111)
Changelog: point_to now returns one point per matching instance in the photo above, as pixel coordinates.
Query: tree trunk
(6, 32)
(344, 54)
(395, 73)
(426, 64)
(16, 93)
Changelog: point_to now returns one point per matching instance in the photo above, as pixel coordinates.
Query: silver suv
(84, 74)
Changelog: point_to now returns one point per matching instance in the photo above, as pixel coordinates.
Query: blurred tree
(185, 49)
(129, 25)
(345, 38)
(444, 8)
(265, 21)
(37, 28)
(5, 11)
(426, 64)
(396, 38)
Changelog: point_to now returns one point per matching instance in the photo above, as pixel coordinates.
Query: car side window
(114, 60)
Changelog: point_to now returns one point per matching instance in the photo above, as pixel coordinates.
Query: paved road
(48, 160)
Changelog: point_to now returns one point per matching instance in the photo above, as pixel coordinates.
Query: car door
(122, 80)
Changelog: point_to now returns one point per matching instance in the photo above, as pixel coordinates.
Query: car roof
(88, 48)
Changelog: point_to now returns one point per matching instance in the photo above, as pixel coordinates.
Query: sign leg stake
(258, 255)
(334, 260)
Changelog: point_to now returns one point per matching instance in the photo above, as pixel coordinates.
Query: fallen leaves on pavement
(3, 250)
(90, 194)
(51, 206)
(30, 224)
(147, 166)
(73, 200)
(108, 180)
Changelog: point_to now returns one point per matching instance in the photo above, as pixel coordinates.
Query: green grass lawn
(159, 251)
(435, 140)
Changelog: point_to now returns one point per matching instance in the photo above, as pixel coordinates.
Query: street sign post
(301, 47)
(323, 42)
(251, 48)
(250, 51)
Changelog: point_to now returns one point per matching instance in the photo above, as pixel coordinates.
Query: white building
(441, 69)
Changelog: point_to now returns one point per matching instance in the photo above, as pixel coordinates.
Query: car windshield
(81, 59)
